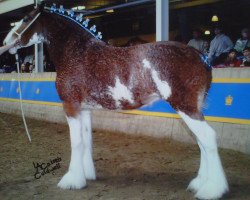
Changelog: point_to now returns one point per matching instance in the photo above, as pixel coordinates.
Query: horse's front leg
(75, 177)
(88, 164)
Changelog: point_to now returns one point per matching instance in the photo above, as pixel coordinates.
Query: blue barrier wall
(228, 99)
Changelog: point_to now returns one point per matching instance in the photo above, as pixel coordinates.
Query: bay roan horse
(93, 75)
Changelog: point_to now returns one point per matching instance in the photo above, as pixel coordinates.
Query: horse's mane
(77, 19)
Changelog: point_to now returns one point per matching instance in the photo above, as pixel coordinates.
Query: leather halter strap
(33, 20)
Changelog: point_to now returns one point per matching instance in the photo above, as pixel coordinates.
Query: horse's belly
(138, 91)
(108, 102)
(110, 105)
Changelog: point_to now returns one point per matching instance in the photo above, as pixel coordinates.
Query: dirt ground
(128, 167)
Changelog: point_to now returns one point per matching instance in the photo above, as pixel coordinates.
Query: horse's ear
(41, 6)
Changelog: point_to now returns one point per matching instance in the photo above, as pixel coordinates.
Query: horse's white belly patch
(90, 105)
(120, 92)
(162, 86)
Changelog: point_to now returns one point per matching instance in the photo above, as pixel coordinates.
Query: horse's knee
(75, 131)
(72, 109)
(203, 132)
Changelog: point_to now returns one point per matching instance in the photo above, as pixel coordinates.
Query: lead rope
(21, 98)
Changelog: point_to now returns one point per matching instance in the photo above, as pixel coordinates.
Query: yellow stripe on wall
(147, 113)
(32, 102)
(176, 116)
(231, 80)
(140, 112)
(29, 79)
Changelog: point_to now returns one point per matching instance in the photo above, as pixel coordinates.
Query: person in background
(2, 70)
(246, 59)
(219, 47)
(231, 60)
(31, 68)
(206, 48)
(23, 67)
(197, 42)
(243, 42)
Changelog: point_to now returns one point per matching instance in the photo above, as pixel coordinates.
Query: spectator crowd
(221, 51)
(26, 63)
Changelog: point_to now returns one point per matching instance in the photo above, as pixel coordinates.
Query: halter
(33, 20)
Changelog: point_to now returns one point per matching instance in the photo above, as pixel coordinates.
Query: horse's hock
(232, 135)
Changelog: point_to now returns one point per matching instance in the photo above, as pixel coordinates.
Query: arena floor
(128, 167)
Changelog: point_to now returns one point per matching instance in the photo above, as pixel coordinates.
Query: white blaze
(120, 92)
(10, 37)
(162, 86)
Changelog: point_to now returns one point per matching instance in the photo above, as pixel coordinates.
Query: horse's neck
(59, 33)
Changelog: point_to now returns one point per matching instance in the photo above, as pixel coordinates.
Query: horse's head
(28, 31)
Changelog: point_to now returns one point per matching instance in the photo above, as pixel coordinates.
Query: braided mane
(78, 19)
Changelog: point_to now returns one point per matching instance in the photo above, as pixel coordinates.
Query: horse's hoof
(90, 175)
(195, 184)
(72, 181)
(212, 190)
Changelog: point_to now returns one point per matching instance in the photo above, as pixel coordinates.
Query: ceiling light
(110, 11)
(79, 8)
(207, 32)
(215, 18)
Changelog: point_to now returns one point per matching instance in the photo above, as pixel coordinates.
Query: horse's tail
(206, 64)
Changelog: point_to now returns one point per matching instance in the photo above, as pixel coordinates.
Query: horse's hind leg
(74, 178)
(210, 182)
(86, 131)
(195, 184)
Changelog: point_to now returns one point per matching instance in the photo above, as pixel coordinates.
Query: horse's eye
(25, 19)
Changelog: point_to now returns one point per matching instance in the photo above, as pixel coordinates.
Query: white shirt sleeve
(211, 49)
(229, 43)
